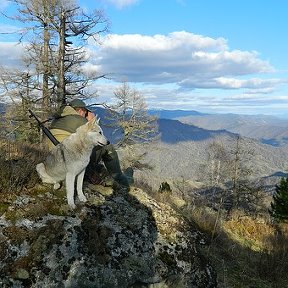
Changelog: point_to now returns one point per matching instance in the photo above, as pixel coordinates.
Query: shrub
(165, 188)
(279, 206)
(17, 165)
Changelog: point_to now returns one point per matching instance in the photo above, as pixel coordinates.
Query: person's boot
(122, 180)
(112, 165)
(128, 172)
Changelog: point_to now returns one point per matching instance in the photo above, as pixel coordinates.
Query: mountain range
(267, 129)
(186, 137)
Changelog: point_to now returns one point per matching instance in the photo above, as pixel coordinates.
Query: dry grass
(248, 231)
(17, 165)
(246, 251)
(206, 219)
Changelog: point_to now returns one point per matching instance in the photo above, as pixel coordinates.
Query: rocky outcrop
(118, 239)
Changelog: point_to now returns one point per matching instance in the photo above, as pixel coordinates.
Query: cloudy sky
(215, 56)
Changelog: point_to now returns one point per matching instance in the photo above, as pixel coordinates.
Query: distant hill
(174, 131)
(183, 152)
(267, 129)
(173, 114)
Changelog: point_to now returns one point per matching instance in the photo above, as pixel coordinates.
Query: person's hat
(77, 103)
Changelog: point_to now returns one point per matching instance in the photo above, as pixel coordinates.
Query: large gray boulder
(118, 239)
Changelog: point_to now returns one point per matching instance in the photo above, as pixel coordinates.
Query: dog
(68, 160)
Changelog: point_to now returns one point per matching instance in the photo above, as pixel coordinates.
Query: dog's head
(94, 133)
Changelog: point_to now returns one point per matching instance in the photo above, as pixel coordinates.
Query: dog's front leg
(70, 181)
(80, 177)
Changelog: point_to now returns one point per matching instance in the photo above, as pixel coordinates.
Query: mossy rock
(16, 235)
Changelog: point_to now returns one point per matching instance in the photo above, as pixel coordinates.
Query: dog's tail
(40, 168)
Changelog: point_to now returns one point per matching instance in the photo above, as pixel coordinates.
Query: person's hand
(90, 116)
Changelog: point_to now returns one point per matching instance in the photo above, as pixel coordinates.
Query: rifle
(45, 130)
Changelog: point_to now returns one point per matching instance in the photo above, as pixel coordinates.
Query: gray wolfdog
(69, 159)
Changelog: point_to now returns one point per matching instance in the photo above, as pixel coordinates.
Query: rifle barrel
(45, 130)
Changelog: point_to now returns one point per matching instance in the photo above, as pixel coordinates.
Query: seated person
(74, 115)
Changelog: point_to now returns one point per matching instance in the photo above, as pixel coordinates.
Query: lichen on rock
(124, 240)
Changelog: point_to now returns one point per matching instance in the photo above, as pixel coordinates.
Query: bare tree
(182, 186)
(218, 158)
(240, 170)
(55, 34)
(230, 169)
(73, 26)
(62, 30)
(36, 16)
(130, 115)
(20, 90)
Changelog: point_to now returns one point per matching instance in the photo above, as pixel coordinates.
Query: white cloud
(10, 54)
(192, 61)
(177, 40)
(233, 83)
(3, 4)
(8, 29)
(122, 3)
(194, 71)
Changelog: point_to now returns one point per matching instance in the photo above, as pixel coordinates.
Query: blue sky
(215, 56)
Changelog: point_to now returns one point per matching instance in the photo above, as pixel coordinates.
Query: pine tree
(279, 206)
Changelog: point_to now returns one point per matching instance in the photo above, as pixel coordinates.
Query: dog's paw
(72, 205)
(82, 198)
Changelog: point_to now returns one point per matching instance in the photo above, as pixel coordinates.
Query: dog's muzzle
(101, 144)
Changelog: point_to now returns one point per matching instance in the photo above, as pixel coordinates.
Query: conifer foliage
(279, 205)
